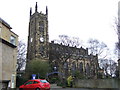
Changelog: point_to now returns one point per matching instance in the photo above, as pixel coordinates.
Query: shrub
(20, 80)
(79, 75)
(38, 67)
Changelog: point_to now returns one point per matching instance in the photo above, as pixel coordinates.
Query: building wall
(57, 54)
(8, 61)
(38, 39)
(8, 55)
(0, 64)
(69, 59)
(7, 33)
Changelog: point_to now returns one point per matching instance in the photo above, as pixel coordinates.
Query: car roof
(36, 79)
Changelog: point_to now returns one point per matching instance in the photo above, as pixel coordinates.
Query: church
(65, 59)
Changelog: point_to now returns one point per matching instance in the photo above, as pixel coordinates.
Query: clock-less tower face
(38, 36)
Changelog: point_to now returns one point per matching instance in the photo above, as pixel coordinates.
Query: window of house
(12, 40)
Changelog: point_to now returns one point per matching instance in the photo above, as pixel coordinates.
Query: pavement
(55, 87)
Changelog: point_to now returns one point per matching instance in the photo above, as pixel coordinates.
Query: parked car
(35, 84)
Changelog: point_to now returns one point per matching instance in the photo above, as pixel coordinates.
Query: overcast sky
(78, 18)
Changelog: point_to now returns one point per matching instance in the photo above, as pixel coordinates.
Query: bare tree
(100, 48)
(109, 66)
(116, 27)
(63, 50)
(69, 41)
(21, 56)
(118, 30)
(103, 63)
(112, 67)
(97, 47)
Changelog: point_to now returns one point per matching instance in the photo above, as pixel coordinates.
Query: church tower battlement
(38, 38)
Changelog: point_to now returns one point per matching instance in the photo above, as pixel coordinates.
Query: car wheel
(37, 89)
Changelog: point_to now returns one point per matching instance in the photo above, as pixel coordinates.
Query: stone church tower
(38, 38)
(66, 59)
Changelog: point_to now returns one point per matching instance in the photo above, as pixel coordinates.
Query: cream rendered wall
(8, 61)
(0, 60)
(6, 34)
(8, 56)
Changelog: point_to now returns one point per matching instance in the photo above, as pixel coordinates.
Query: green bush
(99, 75)
(38, 66)
(20, 80)
(53, 80)
(79, 75)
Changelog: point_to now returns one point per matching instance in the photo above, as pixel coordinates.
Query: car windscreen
(43, 81)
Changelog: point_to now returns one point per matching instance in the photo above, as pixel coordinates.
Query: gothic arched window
(66, 65)
(41, 26)
(87, 69)
(81, 67)
(73, 66)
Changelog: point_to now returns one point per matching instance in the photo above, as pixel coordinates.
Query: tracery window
(81, 67)
(87, 69)
(41, 26)
(73, 66)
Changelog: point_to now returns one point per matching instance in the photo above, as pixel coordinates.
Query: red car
(36, 84)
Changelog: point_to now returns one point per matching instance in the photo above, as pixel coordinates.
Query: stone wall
(97, 83)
